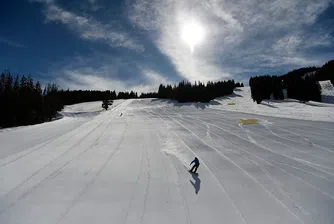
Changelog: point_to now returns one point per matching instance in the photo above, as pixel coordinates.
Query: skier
(196, 165)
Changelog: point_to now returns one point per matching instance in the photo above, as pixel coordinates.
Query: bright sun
(192, 34)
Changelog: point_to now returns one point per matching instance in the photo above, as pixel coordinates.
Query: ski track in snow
(252, 177)
(134, 168)
(250, 139)
(57, 171)
(53, 174)
(285, 164)
(222, 188)
(96, 175)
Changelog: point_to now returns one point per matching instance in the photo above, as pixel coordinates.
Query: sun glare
(192, 34)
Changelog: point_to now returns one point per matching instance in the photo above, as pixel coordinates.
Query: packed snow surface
(130, 165)
(89, 107)
(327, 92)
(241, 101)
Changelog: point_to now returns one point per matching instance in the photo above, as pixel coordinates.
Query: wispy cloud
(100, 72)
(241, 38)
(241, 34)
(88, 78)
(88, 28)
(166, 19)
(11, 43)
(91, 78)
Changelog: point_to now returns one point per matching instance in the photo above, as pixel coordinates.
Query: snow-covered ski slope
(133, 168)
(89, 106)
(241, 101)
(327, 92)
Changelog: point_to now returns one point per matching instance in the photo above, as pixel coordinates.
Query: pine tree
(16, 87)
(2, 82)
(38, 88)
(106, 104)
(9, 100)
(16, 100)
(325, 72)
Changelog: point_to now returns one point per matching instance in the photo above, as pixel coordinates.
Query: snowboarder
(195, 166)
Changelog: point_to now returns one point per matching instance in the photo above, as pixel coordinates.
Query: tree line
(301, 84)
(198, 92)
(127, 95)
(69, 97)
(262, 87)
(326, 72)
(149, 95)
(24, 102)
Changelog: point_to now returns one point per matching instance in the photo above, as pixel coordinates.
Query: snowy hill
(241, 101)
(84, 107)
(327, 92)
(89, 107)
(133, 168)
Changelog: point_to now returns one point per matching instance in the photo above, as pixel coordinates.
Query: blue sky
(138, 44)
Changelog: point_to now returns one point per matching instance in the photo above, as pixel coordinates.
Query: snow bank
(239, 101)
(95, 106)
(327, 92)
(287, 108)
(84, 107)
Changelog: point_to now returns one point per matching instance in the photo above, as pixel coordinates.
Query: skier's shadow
(197, 184)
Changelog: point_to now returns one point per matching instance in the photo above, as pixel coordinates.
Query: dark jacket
(196, 161)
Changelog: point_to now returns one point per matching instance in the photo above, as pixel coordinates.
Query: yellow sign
(249, 121)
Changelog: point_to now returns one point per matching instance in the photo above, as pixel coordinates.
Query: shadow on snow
(195, 104)
(197, 183)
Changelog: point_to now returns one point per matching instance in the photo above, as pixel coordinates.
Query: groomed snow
(89, 107)
(241, 101)
(133, 168)
(327, 92)
(288, 108)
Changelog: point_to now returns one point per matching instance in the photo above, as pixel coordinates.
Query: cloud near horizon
(11, 43)
(101, 79)
(137, 44)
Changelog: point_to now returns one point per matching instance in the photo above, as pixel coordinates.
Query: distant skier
(195, 166)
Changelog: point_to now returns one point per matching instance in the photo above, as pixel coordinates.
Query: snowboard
(193, 173)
